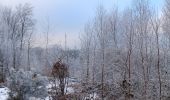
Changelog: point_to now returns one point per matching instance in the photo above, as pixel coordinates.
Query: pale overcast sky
(67, 16)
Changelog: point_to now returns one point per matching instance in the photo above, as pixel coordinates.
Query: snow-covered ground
(67, 89)
(4, 93)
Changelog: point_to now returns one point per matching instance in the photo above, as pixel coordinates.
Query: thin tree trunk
(103, 65)
(158, 66)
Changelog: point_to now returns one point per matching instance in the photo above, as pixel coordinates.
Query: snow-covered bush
(26, 84)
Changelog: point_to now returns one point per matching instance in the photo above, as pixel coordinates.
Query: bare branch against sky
(68, 16)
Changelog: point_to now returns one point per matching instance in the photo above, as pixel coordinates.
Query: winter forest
(123, 55)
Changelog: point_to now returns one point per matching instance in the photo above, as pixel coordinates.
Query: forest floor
(72, 86)
(4, 91)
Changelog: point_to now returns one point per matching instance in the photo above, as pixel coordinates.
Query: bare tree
(113, 25)
(100, 29)
(142, 16)
(87, 45)
(156, 22)
(47, 40)
(19, 24)
(26, 21)
(129, 37)
(166, 20)
(28, 52)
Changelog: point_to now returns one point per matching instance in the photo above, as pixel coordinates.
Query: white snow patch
(69, 90)
(34, 98)
(92, 96)
(4, 93)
